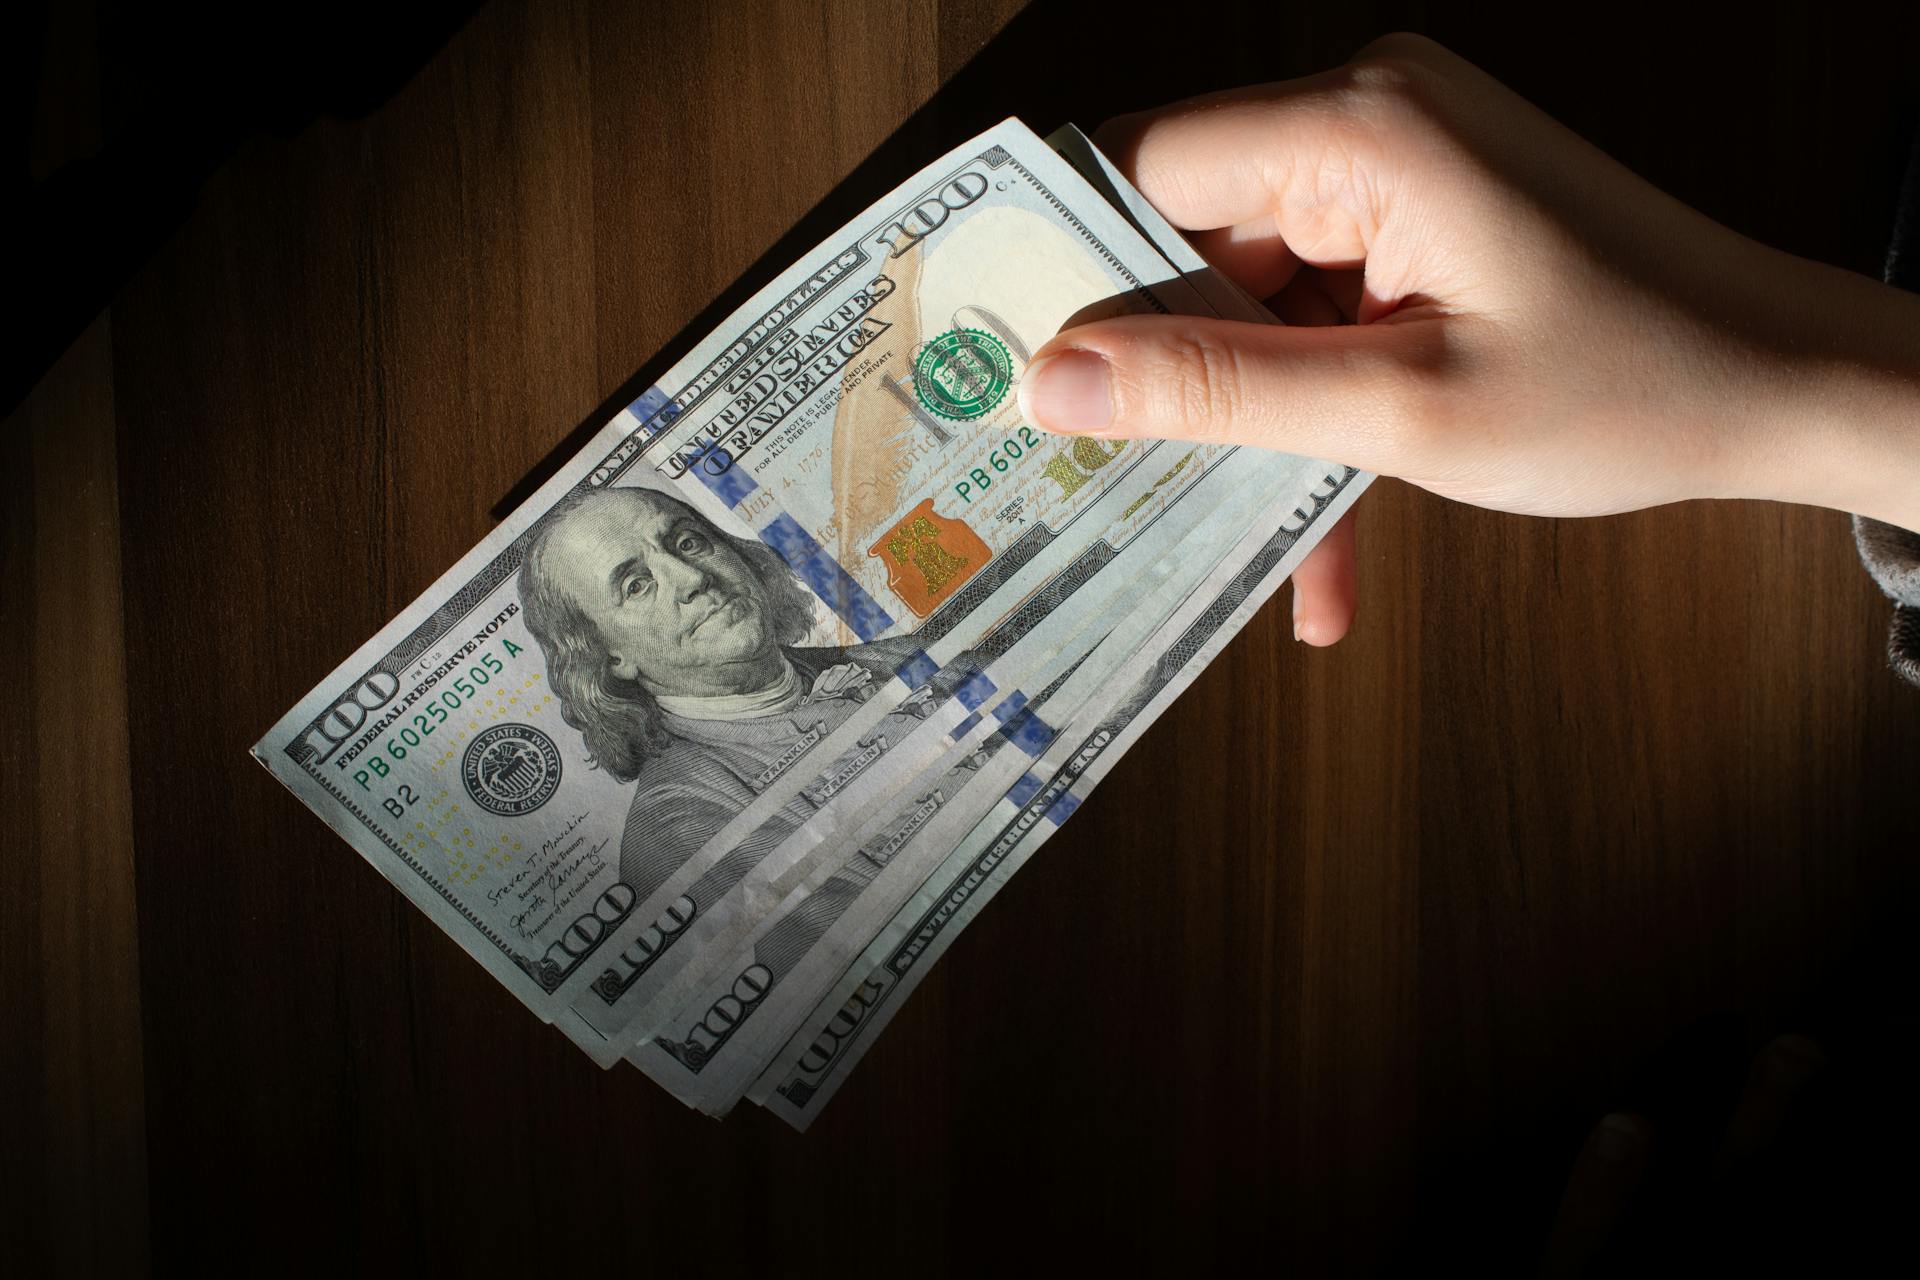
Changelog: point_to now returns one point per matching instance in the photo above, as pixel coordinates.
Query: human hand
(1518, 321)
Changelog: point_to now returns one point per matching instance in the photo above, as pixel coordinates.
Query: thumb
(1365, 395)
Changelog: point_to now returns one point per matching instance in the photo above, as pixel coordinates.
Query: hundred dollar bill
(731, 902)
(707, 899)
(813, 1064)
(745, 577)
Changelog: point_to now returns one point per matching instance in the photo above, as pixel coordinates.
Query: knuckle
(1402, 87)
(1405, 45)
(1202, 389)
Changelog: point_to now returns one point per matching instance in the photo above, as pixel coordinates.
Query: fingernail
(1296, 615)
(1067, 392)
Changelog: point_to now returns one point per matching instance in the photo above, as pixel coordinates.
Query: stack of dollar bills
(710, 750)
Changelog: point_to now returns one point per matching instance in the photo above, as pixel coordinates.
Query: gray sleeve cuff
(1892, 556)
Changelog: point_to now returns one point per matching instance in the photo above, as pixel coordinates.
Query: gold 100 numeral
(1073, 467)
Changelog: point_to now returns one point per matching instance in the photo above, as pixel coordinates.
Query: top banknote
(801, 552)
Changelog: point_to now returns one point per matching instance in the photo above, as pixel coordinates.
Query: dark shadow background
(178, 89)
(1790, 124)
(179, 92)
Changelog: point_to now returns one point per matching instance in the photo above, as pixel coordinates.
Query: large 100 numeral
(341, 723)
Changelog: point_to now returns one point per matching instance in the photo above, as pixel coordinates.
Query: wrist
(1844, 429)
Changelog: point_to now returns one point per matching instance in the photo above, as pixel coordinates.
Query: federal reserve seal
(963, 373)
(511, 769)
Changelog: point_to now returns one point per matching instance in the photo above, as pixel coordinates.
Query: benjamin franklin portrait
(676, 651)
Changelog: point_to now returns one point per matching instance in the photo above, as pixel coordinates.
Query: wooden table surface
(1342, 962)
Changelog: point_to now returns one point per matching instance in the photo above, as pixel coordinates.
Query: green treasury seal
(963, 373)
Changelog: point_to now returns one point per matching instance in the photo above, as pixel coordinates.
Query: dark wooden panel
(72, 1088)
(73, 1115)
(1341, 963)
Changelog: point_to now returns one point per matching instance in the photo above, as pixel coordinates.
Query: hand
(1527, 325)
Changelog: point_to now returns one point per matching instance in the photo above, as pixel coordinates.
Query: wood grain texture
(76, 1128)
(1341, 962)
(72, 1122)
